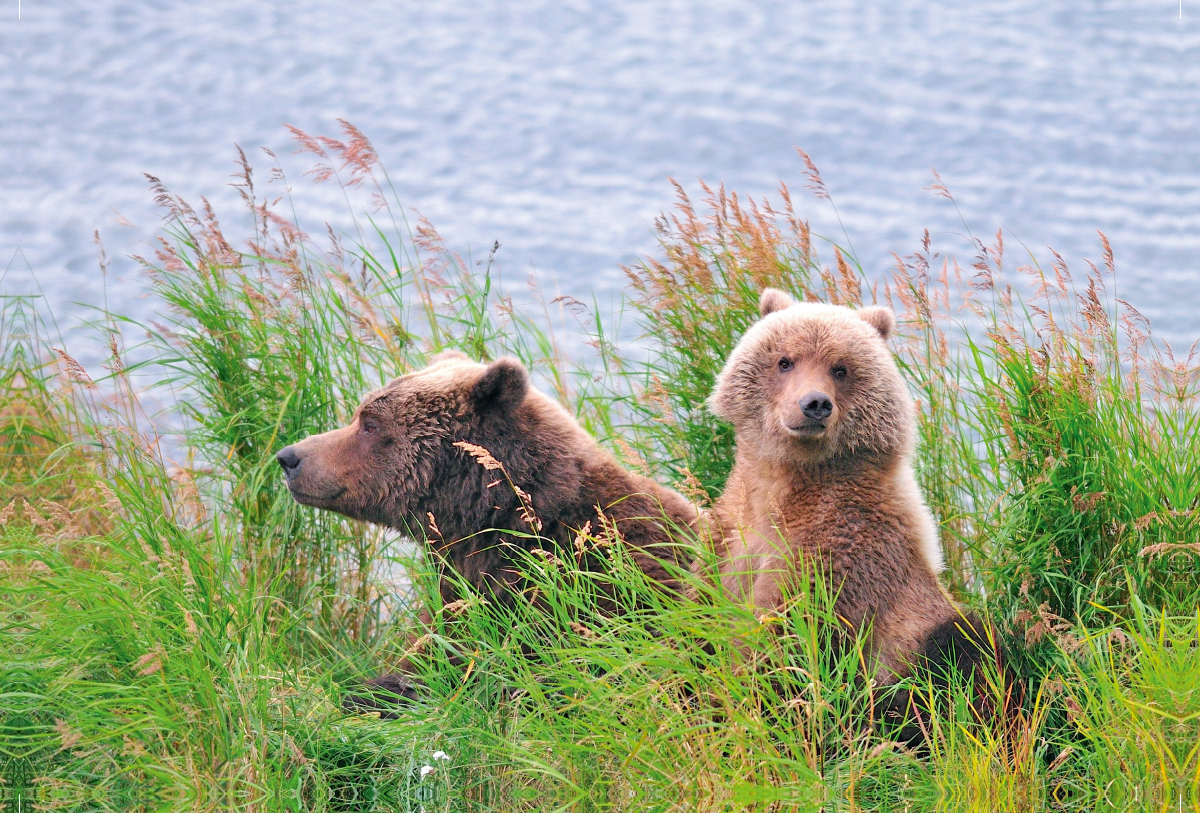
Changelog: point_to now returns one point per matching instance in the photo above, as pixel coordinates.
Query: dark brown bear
(823, 473)
(413, 451)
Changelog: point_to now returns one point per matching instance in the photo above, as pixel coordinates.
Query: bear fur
(397, 464)
(825, 431)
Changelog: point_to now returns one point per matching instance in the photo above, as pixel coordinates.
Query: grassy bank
(177, 632)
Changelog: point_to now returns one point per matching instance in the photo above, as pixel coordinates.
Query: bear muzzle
(816, 406)
(808, 417)
(807, 430)
(299, 481)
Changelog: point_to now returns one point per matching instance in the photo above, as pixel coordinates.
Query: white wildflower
(426, 770)
(440, 755)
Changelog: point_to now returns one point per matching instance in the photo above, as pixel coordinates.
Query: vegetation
(177, 632)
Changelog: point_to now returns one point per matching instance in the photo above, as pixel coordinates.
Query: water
(553, 127)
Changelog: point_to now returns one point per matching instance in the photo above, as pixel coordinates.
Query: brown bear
(825, 431)
(421, 455)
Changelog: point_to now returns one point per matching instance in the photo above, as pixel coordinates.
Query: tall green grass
(178, 633)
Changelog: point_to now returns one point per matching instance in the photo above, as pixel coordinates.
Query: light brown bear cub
(823, 472)
(407, 456)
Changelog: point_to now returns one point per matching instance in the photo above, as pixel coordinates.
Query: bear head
(810, 383)
(396, 460)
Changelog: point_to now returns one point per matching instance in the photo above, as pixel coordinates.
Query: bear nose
(289, 460)
(817, 406)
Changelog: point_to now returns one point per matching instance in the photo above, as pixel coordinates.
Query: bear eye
(368, 426)
(785, 364)
(840, 371)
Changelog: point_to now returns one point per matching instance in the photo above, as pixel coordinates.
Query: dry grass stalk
(489, 463)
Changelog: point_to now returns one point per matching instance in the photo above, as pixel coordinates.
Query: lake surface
(554, 127)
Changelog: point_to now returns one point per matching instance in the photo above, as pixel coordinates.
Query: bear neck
(795, 471)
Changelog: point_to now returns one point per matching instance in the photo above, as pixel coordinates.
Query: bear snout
(816, 406)
(288, 460)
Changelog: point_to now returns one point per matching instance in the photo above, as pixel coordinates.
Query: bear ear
(772, 300)
(882, 319)
(502, 386)
(719, 402)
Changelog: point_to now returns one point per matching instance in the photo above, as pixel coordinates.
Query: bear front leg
(384, 694)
